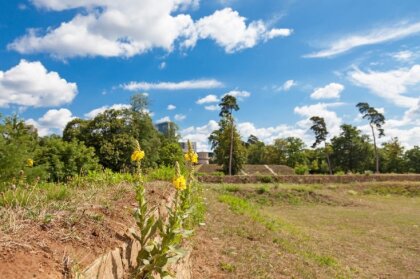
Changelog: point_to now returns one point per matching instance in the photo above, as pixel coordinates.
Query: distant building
(184, 146)
(204, 158)
(167, 128)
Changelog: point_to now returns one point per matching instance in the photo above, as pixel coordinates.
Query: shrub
(301, 169)
(266, 179)
(340, 173)
(64, 160)
(162, 173)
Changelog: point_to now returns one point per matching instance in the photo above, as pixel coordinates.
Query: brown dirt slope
(71, 237)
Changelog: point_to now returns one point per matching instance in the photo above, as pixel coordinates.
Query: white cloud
(330, 91)
(30, 84)
(286, 86)
(164, 119)
(238, 94)
(332, 121)
(180, 117)
(183, 85)
(231, 32)
(129, 27)
(269, 134)
(372, 37)
(212, 107)
(95, 112)
(171, 107)
(404, 55)
(200, 134)
(390, 85)
(162, 65)
(53, 121)
(208, 99)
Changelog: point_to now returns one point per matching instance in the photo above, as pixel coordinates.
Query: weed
(227, 267)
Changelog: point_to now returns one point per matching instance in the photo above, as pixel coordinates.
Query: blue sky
(285, 61)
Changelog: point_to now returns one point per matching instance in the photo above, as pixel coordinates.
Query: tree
(228, 105)
(412, 158)
(320, 130)
(255, 150)
(113, 134)
(221, 142)
(392, 155)
(376, 120)
(18, 144)
(64, 159)
(352, 151)
(295, 152)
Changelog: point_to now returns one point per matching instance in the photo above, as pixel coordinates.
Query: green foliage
(392, 157)
(412, 158)
(301, 169)
(64, 160)
(169, 153)
(352, 151)
(18, 143)
(113, 134)
(164, 173)
(221, 143)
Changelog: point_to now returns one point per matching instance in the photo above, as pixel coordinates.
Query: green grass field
(369, 230)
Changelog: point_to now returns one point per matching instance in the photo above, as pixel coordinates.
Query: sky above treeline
(284, 60)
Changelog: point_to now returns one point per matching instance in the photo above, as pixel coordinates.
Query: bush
(301, 169)
(266, 179)
(64, 160)
(162, 173)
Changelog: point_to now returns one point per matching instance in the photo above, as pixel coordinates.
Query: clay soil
(71, 234)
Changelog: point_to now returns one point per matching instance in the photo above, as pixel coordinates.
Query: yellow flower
(179, 183)
(137, 155)
(30, 163)
(191, 157)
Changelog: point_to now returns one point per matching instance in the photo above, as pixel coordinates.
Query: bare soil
(71, 236)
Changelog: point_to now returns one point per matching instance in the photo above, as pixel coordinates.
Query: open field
(368, 230)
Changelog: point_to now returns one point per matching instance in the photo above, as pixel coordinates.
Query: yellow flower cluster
(137, 155)
(179, 183)
(191, 157)
(30, 163)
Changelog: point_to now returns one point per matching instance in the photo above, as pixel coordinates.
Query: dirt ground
(71, 235)
(313, 231)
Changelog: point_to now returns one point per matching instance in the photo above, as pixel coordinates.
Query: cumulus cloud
(129, 27)
(53, 121)
(403, 56)
(93, 113)
(171, 107)
(269, 134)
(287, 85)
(30, 84)
(200, 134)
(240, 95)
(390, 85)
(231, 32)
(208, 99)
(212, 107)
(180, 117)
(164, 119)
(330, 91)
(371, 37)
(332, 120)
(183, 85)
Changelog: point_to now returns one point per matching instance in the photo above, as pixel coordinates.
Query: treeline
(349, 152)
(104, 142)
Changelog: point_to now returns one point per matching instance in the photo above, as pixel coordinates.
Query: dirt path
(232, 246)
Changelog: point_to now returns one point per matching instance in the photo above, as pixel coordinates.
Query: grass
(359, 230)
